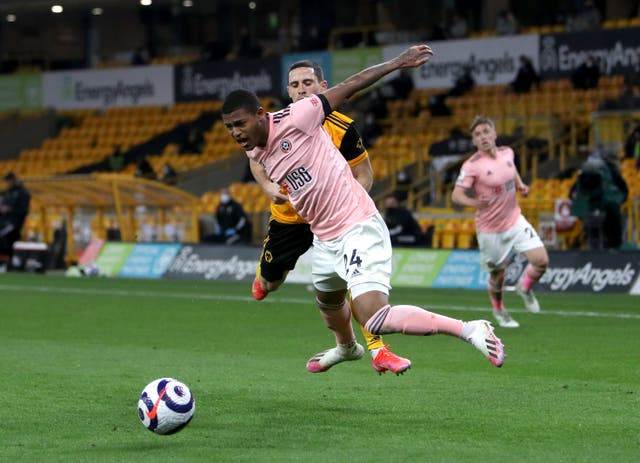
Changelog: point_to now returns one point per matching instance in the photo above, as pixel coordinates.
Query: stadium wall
(494, 61)
(569, 271)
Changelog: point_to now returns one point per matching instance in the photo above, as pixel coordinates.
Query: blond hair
(479, 120)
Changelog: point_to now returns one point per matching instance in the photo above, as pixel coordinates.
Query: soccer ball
(166, 406)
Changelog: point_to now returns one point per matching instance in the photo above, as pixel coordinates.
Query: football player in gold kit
(289, 236)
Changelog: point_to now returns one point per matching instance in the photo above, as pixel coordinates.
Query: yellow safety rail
(112, 194)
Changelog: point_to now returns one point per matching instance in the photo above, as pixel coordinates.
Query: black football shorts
(282, 247)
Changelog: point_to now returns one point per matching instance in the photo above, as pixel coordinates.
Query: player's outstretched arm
(412, 57)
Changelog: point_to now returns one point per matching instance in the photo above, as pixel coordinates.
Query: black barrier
(617, 49)
(207, 262)
(592, 271)
(213, 81)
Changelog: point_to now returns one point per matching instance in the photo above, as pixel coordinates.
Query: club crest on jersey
(285, 145)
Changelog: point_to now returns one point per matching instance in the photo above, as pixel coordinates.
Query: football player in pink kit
(352, 248)
(489, 181)
(288, 237)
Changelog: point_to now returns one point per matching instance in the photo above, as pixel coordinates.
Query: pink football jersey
(301, 158)
(494, 180)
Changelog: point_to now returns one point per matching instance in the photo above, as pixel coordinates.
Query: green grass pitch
(75, 354)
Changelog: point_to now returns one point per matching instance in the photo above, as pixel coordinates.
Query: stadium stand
(553, 125)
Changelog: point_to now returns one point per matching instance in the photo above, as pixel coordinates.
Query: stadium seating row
(406, 140)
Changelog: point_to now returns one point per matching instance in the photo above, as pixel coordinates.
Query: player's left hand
(524, 190)
(414, 56)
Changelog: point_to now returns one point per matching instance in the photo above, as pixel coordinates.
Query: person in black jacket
(14, 209)
(597, 197)
(587, 75)
(404, 229)
(464, 83)
(526, 76)
(233, 222)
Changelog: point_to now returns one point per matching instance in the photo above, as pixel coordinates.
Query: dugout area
(100, 201)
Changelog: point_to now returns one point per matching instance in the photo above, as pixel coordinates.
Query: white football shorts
(360, 260)
(495, 247)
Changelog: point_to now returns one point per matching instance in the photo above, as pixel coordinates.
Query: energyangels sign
(493, 60)
(99, 89)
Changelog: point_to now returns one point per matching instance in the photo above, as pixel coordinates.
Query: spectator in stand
(233, 222)
(400, 87)
(464, 83)
(526, 77)
(377, 105)
(456, 143)
(116, 160)
(144, 169)
(248, 48)
(588, 18)
(403, 184)
(506, 23)
(404, 229)
(587, 75)
(438, 33)
(169, 174)
(193, 142)
(14, 208)
(140, 57)
(597, 197)
(627, 99)
(458, 27)
(371, 130)
(113, 231)
(438, 105)
(214, 51)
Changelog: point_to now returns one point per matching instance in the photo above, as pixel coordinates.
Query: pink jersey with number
(495, 180)
(302, 159)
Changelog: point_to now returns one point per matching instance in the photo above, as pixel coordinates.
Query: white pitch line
(287, 300)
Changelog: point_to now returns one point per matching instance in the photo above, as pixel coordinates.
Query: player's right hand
(274, 192)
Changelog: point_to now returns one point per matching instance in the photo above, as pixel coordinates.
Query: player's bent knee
(329, 307)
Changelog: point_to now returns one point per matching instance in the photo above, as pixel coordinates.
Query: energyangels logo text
(107, 94)
(189, 262)
(563, 57)
(587, 275)
(491, 67)
(196, 83)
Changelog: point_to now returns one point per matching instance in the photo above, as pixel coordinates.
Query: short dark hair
(240, 99)
(10, 176)
(307, 63)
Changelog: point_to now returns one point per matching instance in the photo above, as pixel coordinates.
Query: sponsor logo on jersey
(297, 180)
